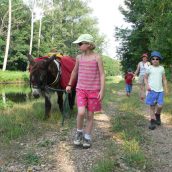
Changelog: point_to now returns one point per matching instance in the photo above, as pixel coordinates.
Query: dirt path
(73, 159)
(160, 146)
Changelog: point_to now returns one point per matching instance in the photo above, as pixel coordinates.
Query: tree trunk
(8, 39)
(39, 36)
(31, 35)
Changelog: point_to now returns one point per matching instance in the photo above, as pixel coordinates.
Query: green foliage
(112, 67)
(60, 27)
(150, 30)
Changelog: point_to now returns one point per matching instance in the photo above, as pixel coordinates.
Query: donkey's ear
(31, 60)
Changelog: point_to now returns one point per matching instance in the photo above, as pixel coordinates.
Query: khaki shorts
(141, 80)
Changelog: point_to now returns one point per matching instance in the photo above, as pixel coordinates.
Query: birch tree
(43, 8)
(8, 38)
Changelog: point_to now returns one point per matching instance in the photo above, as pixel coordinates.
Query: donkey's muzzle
(36, 93)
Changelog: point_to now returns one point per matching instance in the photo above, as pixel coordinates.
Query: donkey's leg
(60, 100)
(47, 105)
(72, 98)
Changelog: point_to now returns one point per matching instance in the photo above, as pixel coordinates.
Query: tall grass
(25, 119)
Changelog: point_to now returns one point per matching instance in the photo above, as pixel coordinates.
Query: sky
(109, 17)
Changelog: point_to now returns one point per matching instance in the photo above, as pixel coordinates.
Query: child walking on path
(141, 69)
(90, 76)
(155, 79)
(128, 81)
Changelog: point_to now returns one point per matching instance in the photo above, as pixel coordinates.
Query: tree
(151, 30)
(8, 38)
(60, 26)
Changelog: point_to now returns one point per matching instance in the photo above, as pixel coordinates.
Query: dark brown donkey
(45, 74)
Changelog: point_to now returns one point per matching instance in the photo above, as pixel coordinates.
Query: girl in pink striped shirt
(90, 76)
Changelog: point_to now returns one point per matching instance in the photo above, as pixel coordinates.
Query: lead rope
(66, 107)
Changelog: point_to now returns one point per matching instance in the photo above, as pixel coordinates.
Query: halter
(58, 73)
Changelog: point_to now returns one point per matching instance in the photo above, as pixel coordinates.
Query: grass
(133, 155)
(13, 76)
(15, 88)
(30, 158)
(104, 165)
(22, 120)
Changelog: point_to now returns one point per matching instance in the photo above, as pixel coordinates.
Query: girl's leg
(79, 134)
(88, 129)
(89, 125)
(142, 91)
(80, 118)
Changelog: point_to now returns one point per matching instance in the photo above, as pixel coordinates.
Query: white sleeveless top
(143, 68)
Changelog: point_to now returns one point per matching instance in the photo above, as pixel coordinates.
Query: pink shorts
(88, 99)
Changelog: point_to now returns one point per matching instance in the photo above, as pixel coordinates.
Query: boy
(155, 79)
(128, 82)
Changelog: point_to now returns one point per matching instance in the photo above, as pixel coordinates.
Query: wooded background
(151, 23)
(37, 26)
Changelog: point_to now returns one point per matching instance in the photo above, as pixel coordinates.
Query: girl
(141, 69)
(90, 76)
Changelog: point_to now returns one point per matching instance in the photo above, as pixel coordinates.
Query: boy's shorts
(88, 99)
(128, 88)
(154, 97)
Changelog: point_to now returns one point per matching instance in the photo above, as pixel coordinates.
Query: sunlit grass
(133, 155)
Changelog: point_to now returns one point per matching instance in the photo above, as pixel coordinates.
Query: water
(15, 93)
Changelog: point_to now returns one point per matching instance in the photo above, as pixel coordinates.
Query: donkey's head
(38, 74)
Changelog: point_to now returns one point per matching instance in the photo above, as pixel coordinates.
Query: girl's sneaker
(86, 143)
(158, 119)
(78, 138)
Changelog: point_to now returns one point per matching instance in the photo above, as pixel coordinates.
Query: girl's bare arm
(102, 77)
(137, 70)
(73, 76)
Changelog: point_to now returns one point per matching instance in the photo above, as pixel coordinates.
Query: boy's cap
(156, 54)
(84, 38)
(145, 55)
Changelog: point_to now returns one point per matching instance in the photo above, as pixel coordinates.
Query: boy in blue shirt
(155, 79)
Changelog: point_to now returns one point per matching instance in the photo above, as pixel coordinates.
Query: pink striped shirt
(88, 75)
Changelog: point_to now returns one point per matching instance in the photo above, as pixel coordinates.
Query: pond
(15, 93)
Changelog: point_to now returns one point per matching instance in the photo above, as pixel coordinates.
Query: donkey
(45, 74)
